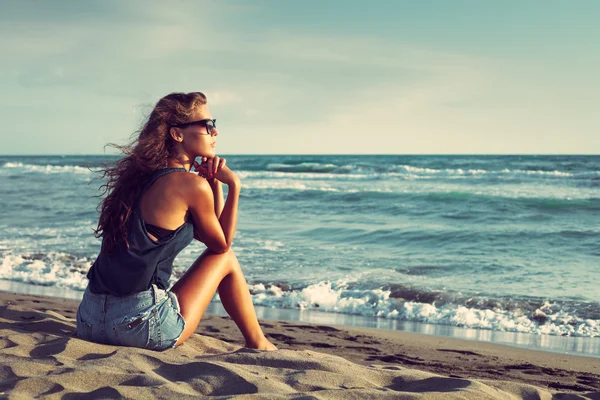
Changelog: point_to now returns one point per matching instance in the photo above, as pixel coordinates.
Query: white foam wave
(460, 171)
(288, 184)
(299, 175)
(302, 166)
(251, 241)
(64, 270)
(334, 297)
(353, 172)
(548, 173)
(271, 184)
(47, 169)
(52, 269)
(420, 187)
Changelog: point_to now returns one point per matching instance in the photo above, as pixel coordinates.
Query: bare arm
(216, 233)
(229, 216)
(206, 170)
(217, 188)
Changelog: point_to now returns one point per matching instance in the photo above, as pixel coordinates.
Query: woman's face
(196, 140)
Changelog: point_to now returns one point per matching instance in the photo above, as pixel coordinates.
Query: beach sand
(40, 356)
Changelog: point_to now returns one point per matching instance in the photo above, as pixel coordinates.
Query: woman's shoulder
(188, 182)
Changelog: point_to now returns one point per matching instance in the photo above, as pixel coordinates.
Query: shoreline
(451, 357)
(571, 345)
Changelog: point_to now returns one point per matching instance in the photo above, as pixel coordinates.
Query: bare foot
(262, 344)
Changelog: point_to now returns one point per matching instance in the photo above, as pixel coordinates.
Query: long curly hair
(148, 152)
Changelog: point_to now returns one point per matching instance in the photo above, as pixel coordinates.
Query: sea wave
(315, 170)
(546, 319)
(46, 269)
(541, 316)
(460, 171)
(556, 198)
(46, 169)
(409, 170)
(309, 167)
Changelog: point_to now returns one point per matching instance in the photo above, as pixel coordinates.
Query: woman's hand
(215, 169)
(209, 166)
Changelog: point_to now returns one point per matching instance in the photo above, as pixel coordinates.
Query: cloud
(278, 89)
(219, 98)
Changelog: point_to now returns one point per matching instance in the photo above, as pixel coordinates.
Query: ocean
(496, 248)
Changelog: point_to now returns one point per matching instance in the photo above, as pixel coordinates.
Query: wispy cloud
(277, 89)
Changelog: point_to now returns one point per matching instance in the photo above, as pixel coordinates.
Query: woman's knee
(232, 260)
(228, 260)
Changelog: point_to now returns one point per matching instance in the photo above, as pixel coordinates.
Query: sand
(40, 356)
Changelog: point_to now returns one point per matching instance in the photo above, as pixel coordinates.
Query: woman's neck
(180, 162)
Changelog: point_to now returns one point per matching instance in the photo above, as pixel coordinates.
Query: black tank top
(126, 270)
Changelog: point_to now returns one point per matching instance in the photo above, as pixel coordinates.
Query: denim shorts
(150, 319)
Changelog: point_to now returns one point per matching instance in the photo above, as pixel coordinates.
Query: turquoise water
(491, 243)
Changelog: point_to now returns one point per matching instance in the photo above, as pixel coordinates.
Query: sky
(306, 77)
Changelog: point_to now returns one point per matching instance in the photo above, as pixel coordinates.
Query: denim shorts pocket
(134, 330)
(172, 323)
(83, 326)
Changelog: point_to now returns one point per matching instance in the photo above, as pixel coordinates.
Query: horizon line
(322, 154)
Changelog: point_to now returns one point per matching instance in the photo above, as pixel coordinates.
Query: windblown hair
(148, 152)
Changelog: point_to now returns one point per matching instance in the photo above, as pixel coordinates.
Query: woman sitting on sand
(154, 208)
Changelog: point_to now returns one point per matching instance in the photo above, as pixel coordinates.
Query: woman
(154, 208)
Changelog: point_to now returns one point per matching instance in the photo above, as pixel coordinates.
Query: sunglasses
(210, 125)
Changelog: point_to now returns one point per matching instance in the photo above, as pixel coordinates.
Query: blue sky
(307, 77)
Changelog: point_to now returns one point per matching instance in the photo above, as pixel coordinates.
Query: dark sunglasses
(210, 124)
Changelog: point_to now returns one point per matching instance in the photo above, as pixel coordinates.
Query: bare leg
(237, 301)
(196, 288)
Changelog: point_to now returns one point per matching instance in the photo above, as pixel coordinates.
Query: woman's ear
(176, 134)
